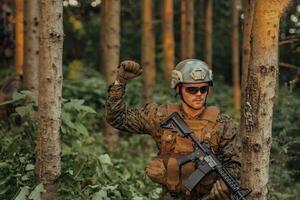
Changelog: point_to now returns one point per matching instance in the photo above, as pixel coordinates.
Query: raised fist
(128, 69)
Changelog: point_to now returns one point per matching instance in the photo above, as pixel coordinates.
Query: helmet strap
(178, 90)
(205, 103)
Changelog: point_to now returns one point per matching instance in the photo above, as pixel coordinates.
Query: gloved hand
(220, 191)
(128, 69)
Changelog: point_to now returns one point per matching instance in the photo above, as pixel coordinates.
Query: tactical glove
(128, 69)
(220, 191)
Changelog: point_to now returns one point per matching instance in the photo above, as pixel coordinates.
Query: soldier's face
(194, 94)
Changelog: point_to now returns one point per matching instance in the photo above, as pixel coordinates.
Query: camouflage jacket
(146, 120)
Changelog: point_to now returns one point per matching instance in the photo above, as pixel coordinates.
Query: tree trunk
(235, 56)
(168, 38)
(208, 33)
(110, 53)
(31, 44)
(48, 165)
(256, 122)
(187, 29)
(110, 38)
(148, 50)
(19, 36)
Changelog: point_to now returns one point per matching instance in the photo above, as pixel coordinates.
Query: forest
(58, 58)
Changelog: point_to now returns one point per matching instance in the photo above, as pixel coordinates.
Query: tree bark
(235, 56)
(31, 45)
(168, 38)
(19, 36)
(48, 162)
(110, 53)
(187, 29)
(256, 121)
(208, 33)
(148, 50)
(110, 38)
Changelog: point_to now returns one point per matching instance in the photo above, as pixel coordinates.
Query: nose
(198, 93)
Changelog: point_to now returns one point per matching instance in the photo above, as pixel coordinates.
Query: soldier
(191, 80)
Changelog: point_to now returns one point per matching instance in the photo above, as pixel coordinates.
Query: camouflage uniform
(146, 120)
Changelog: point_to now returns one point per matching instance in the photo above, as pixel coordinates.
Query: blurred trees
(187, 41)
(248, 9)
(235, 54)
(110, 51)
(31, 46)
(168, 38)
(6, 33)
(82, 22)
(19, 57)
(110, 38)
(148, 50)
(208, 12)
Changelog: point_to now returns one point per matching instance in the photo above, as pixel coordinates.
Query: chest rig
(165, 170)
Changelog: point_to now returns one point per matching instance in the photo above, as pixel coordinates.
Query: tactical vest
(165, 170)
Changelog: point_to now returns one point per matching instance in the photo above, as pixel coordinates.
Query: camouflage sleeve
(230, 144)
(133, 120)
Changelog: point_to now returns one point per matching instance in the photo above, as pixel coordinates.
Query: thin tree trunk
(110, 38)
(19, 36)
(31, 44)
(48, 149)
(187, 29)
(208, 32)
(110, 53)
(235, 56)
(262, 73)
(168, 38)
(148, 50)
(7, 28)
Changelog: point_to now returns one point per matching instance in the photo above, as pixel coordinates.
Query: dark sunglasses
(194, 90)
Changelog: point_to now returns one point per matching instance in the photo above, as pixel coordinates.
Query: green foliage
(91, 171)
(17, 149)
(284, 166)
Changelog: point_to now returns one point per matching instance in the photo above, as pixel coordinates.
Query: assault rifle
(204, 158)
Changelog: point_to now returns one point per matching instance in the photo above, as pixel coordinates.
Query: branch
(289, 40)
(287, 65)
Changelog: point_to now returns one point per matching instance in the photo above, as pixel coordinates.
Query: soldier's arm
(230, 144)
(134, 120)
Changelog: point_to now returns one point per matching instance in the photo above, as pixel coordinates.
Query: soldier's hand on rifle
(128, 69)
(220, 191)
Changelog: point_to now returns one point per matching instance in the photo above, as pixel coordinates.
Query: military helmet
(191, 71)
